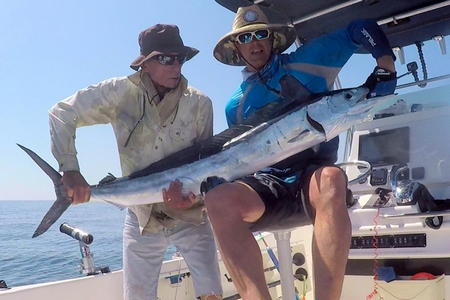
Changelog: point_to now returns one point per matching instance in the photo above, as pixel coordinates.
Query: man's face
(256, 53)
(166, 75)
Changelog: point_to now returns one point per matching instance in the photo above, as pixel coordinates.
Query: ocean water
(54, 255)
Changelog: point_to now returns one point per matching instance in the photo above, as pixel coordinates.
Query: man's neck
(148, 82)
(250, 69)
(162, 90)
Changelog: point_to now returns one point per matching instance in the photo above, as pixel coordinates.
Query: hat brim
(226, 52)
(190, 52)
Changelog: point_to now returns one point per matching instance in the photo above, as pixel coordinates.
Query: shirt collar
(246, 73)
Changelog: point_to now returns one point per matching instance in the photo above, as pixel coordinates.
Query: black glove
(381, 82)
(211, 182)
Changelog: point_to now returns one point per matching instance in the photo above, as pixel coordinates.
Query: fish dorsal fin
(193, 153)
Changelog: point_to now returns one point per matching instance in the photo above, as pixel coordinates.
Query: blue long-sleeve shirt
(315, 65)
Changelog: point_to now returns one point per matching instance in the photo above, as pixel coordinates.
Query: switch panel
(418, 240)
(378, 177)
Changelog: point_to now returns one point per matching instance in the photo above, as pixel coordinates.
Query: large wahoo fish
(254, 149)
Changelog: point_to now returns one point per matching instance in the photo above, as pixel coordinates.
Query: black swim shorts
(287, 204)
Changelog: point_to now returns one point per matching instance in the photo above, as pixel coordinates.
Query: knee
(333, 178)
(328, 183)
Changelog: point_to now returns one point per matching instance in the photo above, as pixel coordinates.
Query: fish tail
(62, 201)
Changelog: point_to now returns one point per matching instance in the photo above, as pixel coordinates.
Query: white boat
(394, 224)
(175, 281)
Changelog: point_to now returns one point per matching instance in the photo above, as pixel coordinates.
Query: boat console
(401, 208)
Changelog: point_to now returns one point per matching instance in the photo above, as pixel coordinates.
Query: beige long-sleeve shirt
(183, 117)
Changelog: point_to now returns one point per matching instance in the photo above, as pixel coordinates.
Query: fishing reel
(87, 266)
(404, 189)
(408, 192)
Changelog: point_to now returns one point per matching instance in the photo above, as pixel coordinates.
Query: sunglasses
(164, 59)
(247, 37)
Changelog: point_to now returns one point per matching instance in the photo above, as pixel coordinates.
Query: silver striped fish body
(258, 148)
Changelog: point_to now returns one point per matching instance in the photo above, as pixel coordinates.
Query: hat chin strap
(243, 58)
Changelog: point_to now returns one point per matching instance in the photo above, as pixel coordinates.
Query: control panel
(415, 240)
(398, 141)
(379, 177)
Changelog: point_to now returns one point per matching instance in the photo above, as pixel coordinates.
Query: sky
(49, 49)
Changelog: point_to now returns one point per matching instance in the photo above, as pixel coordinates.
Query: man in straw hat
(307, 186)
(153, 113)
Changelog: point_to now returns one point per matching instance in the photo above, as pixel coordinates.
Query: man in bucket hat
(153, 113)
(306, 187)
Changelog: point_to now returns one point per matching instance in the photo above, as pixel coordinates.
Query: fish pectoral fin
(316, 125)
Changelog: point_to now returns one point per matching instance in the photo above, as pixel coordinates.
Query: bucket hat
(161, 39)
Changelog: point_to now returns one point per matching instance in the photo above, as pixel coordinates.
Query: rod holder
(87, 266)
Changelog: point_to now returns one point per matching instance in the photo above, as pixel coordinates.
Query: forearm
(368, 34)
(62, 133)
(386, 62)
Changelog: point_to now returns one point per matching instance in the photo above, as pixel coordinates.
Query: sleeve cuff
(68, 163)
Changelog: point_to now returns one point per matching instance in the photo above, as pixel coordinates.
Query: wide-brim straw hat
(252, 18)
(161, 39)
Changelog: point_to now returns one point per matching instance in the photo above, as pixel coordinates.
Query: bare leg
(332, 231)
(230, 206)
